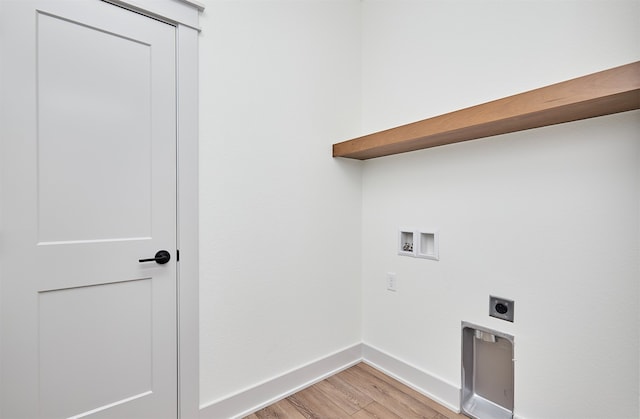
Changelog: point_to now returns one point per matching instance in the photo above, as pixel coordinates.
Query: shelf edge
(606, 92)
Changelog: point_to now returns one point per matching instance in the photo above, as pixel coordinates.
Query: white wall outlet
(407, 245)
(392, 281)
(428, 244)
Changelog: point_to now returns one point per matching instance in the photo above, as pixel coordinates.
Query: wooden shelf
(603, 93)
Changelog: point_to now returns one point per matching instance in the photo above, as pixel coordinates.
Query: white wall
(547, 217)
(2, 166)
(280, 218)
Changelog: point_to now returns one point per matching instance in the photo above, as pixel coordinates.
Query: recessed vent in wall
(487, 373)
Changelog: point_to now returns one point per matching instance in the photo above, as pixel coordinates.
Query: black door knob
(161, 258)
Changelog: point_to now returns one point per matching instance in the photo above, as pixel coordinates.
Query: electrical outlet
(501, 308)
(392, 281)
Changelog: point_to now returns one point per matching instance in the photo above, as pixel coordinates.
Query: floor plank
(375, 411)
(353, 392)
(387, 395)
(345, 400)
(443, 411)
(313, 404)
(280, 410)
(359, 392)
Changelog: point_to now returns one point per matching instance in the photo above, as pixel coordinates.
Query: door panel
(88, 188)
(107, 341)
(75, 64)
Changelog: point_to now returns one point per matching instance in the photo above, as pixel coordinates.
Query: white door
(88, 188)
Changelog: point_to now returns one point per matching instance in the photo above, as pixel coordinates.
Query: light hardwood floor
(359, 392)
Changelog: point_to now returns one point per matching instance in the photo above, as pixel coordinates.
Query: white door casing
(88, 187)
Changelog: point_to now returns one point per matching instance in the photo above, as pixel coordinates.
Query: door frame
(184, 15)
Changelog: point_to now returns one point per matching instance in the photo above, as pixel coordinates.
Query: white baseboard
(436, 388)
(255, 398)
(266, 393)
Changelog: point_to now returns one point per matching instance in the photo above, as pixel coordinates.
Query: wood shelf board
(598, 94)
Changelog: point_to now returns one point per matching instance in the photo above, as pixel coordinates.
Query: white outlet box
(407, 245)
(419, 244)
(428, 246)
(392, 281)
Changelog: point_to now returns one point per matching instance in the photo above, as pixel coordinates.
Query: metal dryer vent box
(487, 373)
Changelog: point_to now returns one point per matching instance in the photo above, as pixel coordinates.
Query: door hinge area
(177, 255)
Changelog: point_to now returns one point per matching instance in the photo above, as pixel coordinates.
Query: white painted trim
(175, 12)
(261, 395)
(432, 386)
(184, 15)
(254, 398)
(194, 3)
(188, 229)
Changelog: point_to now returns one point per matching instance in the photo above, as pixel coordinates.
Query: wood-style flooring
(358, 392)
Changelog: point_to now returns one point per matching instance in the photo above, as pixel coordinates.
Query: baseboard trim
(261, 395)
(271, 391)
(436, 388)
